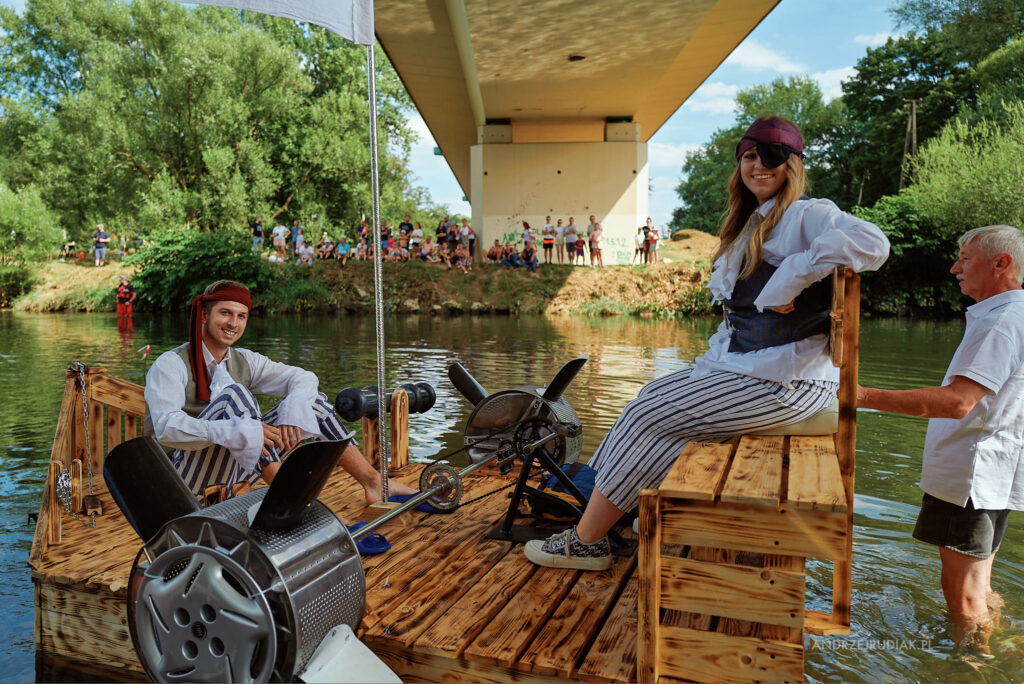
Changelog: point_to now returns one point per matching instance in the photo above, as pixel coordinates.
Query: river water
(900, 630)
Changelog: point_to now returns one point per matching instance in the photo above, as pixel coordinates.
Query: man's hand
(284, 437)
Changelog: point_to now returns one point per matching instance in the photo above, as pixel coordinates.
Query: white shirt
(243, 437)
(813, 236)
(981, 455)
(416, 235)
(527, 235)
(279, 231)
(559, 230)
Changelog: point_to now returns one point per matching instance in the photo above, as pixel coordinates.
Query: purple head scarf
(771, 131)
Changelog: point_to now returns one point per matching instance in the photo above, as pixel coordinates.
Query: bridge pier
(526, 171)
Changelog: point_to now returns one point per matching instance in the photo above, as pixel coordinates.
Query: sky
(822, 39)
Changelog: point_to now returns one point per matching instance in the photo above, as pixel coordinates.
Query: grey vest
(238, 368)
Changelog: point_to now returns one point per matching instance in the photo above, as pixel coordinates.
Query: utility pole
(860, 195)
(911, 138)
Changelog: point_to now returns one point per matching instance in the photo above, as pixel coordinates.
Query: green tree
(706, 171)
(971, 174)
(866, 147)
(28, 227)
(152, 114)
(971, 28)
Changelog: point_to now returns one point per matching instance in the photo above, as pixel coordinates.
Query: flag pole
(378, 287)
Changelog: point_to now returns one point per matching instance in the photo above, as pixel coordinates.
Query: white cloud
(830, 81)
(714, 98)
(668, 156)
(755, 56)
(873, 39)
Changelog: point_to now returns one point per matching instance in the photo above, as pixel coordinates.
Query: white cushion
(824, 422)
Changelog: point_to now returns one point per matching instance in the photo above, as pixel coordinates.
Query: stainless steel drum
(213, 599)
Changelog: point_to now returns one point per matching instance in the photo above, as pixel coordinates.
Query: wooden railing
(115, 409)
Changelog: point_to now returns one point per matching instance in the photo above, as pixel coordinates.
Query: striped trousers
(672, 411)
(214, 465)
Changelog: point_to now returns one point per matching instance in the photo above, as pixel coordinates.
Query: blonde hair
(742, 204)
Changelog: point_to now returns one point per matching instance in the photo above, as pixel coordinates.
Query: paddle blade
(302, 475)
(563, 378)
(466, 383)
(145, 486)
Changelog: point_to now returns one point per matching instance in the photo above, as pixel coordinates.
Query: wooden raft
(723, 541)
(443, 605)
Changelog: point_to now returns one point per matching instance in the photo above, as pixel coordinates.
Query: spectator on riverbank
(591, 227)
(100, 240)
(256, 231)
(529, 256)
(571, 238)
(280, 237)
(528, 235)
(638, 252)
(580, 242)
(343, 251)
(325, 248)
(654, 238)
(363, 230)
(597, 245)
(428, 251)
(415, 238)
(361, 250)
(405, 228)
(298, 236)
(462, 260)
(385, 238)
(509, 256)
(304, 254)
(559, 241)
(494, 253)
(548, 241)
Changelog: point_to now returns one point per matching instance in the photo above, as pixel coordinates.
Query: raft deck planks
(443, 604)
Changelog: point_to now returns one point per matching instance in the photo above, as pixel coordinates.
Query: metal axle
(436, 489)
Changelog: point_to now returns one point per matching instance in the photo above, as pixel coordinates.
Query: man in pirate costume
(200, 404)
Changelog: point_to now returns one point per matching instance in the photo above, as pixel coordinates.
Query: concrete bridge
(545, 107)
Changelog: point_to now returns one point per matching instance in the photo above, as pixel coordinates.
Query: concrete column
(512, 182)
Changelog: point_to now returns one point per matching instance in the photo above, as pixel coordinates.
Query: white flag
(352, 19)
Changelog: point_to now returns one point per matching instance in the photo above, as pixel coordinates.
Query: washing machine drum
(212, 600)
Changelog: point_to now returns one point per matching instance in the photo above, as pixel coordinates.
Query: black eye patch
(772, 155)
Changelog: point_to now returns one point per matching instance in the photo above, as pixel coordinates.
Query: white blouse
(812, 238)
(243, 437)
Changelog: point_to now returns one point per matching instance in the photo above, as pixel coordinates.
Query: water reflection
(900, 630)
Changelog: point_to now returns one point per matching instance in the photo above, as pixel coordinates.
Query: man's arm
(954, 400)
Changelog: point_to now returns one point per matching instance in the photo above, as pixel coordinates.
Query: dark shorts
(967, 530)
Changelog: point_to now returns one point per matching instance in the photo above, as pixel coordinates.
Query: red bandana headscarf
(230, 293)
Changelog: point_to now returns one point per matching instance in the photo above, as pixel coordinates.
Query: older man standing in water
(973, 467)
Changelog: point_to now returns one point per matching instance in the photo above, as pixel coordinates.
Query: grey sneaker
(565, 550)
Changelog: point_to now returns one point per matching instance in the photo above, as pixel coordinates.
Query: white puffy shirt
(813, 237)
(981, 455)
(243, 437)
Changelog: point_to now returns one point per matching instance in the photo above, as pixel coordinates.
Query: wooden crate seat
(724, 538)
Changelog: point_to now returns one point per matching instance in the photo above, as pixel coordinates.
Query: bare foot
(373, 491)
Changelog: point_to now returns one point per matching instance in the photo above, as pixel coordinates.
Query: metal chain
(66, 499)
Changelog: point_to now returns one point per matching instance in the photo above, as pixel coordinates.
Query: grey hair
(996, 240)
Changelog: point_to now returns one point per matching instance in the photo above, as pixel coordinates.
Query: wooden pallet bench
(723, 540)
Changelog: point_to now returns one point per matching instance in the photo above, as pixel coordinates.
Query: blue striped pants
(214, 465)
(672, 411)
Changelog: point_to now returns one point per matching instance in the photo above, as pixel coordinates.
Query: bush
(176, 264)
(917, 272)
(15, 280)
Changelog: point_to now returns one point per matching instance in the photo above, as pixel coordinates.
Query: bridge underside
(544, 107)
